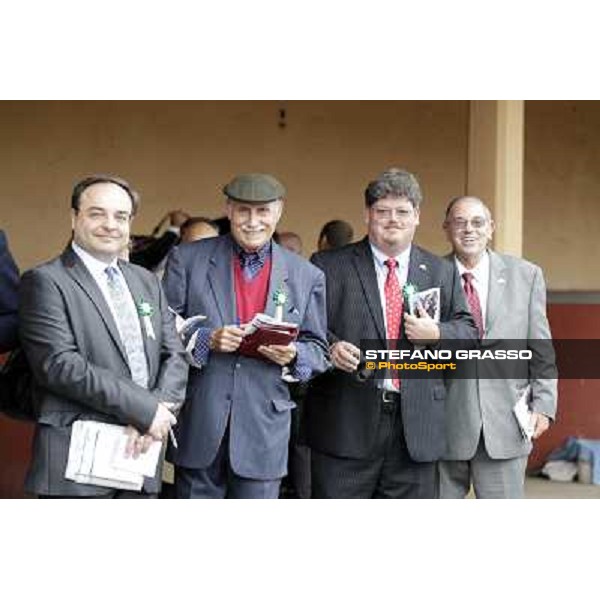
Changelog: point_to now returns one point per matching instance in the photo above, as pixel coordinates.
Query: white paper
(429, 300)
(96, 457)
(145, 464)
(523, 413)
(184, 325)
(261, 320)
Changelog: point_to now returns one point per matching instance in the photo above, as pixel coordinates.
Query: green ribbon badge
(409, 290)
(146, 310)
(280, 298)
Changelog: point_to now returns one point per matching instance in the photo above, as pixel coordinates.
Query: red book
(265, 331)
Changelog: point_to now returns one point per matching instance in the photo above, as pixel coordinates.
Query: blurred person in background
(9, 282)
(335, 234)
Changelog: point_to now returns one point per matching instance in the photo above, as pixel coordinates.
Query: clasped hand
(138, 443)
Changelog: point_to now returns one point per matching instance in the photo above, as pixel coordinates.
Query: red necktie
(473, 301)
(393, 310)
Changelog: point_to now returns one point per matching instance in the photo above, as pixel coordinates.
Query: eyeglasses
(386, 214)
(462, 224)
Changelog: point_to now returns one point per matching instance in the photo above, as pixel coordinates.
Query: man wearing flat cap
(233, 432)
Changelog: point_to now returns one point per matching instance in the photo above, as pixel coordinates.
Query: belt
(388, 397)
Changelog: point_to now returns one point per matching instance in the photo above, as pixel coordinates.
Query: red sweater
(250, 295)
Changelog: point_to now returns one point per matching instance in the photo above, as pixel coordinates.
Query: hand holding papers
(422, 315)
(523, 414)
(428, 300)
(97, 456)
(264, 330)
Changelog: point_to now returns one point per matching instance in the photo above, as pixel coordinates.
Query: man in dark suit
(234, 429)
(9, 280)
(100, 341)
(381, 438)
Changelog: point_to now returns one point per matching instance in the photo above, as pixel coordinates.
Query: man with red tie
(507, 298)
(375, 437)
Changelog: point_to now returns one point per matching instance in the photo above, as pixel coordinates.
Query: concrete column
(495, 166)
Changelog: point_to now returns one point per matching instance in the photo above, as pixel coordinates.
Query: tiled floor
(537, 487)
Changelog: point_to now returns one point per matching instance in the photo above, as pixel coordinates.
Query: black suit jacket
(80, 365)
(342, 411)
(151, 254)
(9, 280)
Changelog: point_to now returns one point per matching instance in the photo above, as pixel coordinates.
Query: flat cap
(254, 187)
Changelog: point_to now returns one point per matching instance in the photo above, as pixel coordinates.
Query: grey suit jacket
(80, 367)
(516, 309)
(246, 392)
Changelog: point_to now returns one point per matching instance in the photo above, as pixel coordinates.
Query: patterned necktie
(128, 325)
(473, 301)
(251, 264)
(394, 304)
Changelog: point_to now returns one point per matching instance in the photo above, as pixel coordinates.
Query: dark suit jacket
(80, 366)
(152, 253)
(246, 392)
(343, 412)
(9, 280)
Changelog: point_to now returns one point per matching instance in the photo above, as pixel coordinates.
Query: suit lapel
(363, 263)
(220, 280)
(139, 292)
(278, 278)
(419, 273)
(79, 273)
(418, 270)
(496, 290)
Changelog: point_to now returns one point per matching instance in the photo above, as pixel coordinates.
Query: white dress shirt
(97, 269)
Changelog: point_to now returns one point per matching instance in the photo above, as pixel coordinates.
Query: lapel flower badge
(409, 290)
(280, 298)
(145, 311)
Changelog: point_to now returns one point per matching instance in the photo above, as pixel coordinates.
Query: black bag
(16, 387)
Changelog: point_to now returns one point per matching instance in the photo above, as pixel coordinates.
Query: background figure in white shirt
(485, 446)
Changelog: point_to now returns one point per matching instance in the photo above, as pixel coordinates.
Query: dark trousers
(389, 473)
(297, 482)
(219, 481)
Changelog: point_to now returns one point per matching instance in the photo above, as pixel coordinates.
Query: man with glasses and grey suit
(507, 298)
